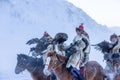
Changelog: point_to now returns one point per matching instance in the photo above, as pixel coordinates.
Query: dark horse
(57, 64)
(33, 65)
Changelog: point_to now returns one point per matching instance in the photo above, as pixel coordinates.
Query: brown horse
(117, 77)
(94, 71)
(33, 65)
(57, 64)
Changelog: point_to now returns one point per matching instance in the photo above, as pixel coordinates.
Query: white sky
(106, 12)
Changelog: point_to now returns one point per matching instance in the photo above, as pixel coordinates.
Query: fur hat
(80, 28)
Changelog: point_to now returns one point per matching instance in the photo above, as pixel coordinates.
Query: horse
(33, 65)
(57, 64)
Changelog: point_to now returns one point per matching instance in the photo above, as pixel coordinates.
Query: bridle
(54, 64)
(55, 67)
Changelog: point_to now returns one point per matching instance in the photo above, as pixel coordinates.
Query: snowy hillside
(21, 20)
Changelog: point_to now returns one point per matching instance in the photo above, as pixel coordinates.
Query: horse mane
(22, 55)
(59, 57)
(37, 61)
(104, 47)
(34, 61)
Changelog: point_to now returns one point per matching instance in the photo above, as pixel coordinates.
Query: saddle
(82, 70)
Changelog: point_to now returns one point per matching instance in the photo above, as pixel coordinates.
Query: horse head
(22, 61)
(55, 60)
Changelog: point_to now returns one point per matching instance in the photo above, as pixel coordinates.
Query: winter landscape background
(21, 20)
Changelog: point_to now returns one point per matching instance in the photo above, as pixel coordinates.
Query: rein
(58, 66)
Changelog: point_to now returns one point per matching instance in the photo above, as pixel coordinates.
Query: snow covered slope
(21, 20)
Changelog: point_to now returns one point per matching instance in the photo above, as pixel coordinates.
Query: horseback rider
(46, 35)
(78, 59)
(85, 38)
(116, 39)
(57, 44)
(46, 38)
(115, 50)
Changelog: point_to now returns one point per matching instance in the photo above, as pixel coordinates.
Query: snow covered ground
(21, 20)
(11, 76)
